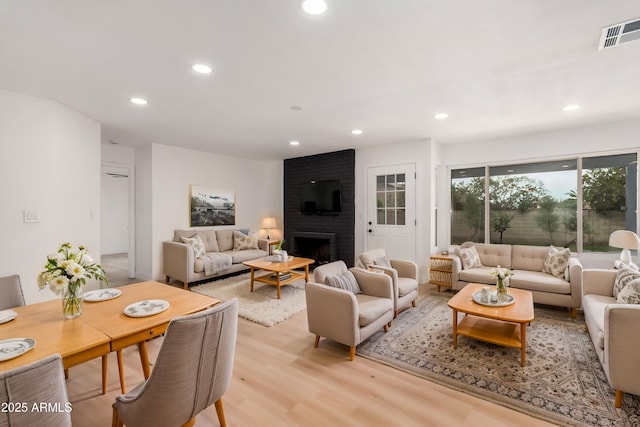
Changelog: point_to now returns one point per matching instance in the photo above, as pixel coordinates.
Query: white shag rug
(262, 305)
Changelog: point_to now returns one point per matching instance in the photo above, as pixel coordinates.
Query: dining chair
(24, 391)
(192, 371)
(11, 292)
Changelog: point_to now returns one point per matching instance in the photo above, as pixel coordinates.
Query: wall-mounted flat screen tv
(321, 197)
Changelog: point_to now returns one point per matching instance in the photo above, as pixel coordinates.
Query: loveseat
(613, 328)
(563, 289)
(196, 255)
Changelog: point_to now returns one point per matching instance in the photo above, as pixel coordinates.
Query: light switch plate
(31, 215)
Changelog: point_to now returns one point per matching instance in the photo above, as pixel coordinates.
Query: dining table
(108, 324)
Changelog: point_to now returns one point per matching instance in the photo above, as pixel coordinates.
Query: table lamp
(268, 223)
(626, 240)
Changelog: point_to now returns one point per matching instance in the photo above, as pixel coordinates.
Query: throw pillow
(384, 261)
(243, 241)
(346, 281)
(630, 294)
(196, 244)
(469, 257)
(624, 276)
(556, 261)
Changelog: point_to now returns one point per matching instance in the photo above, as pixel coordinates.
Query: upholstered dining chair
(348, 316)
(403, 273)
(192, 371)
(41, 382)
(11, 292)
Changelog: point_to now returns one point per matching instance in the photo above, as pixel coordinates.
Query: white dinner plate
(145, 308)
(102, 295)
(7, 316)
(15, 347)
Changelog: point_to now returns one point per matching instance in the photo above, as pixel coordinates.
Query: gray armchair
(403, 273)
(193, 370)
(33, 384)
(11, 292)
(346, 317)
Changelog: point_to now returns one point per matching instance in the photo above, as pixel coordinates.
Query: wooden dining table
(103, 326)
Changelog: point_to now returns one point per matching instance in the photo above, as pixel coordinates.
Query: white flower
(59, 284)
(75, 270)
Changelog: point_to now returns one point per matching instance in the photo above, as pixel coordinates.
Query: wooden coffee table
(277, 269)
(496, 325)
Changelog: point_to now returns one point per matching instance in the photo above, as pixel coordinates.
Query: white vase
(282, 254)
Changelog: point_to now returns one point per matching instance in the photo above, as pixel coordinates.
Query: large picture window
(609, 193)
(467, 205)
(538, 203)
(534, 204)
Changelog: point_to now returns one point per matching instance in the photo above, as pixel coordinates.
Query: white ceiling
(498, 67)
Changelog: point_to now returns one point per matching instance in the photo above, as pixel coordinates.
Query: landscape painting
(212, 207)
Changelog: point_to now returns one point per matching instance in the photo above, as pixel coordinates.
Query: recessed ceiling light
(139, 101)
(572, 107)
(357, 131)
(201, 68)
(440, 116)
(510, 170)
(314, 7)
(296, 107)
(294, 143)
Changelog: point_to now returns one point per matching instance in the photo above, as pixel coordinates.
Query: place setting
(7, 316)
(102, 295)
(146, 308)
(14, 347)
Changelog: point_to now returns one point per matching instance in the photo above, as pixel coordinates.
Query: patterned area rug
(562, 381)
(261, 305)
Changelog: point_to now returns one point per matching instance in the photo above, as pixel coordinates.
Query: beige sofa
(613, 328)
(526, 263)
(179, 262)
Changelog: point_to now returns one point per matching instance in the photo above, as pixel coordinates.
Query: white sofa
(179, 262)
(526, 264)
(613, 329)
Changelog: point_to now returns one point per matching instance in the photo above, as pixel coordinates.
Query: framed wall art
(212, 207)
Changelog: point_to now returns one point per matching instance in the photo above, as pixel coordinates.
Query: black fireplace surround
(324, 238)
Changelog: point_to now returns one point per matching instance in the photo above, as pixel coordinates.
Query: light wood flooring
(279, 379)
(116, 267)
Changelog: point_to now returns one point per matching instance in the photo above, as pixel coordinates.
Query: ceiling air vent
(619, 33)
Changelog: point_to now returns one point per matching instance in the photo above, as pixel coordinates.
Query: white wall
(50, 163)
(418, 153)
(257, 184)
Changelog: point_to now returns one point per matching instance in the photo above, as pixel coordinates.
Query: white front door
(391, 210)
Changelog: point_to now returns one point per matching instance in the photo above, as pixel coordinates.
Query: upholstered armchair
(404, 275)
(11, 292)
(192, 371)
(33, 384)
(342, 315)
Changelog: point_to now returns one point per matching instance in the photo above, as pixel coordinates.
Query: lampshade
(268, 223)
(626, 240)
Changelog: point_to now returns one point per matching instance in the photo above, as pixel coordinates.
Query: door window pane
(390, 199)
(467, 205)
(609, 193)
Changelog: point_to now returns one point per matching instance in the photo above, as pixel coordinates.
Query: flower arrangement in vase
(501, 275)
(66, 273)
(278, 251)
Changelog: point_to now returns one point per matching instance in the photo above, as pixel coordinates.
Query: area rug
(262, 305)
(562, 381)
